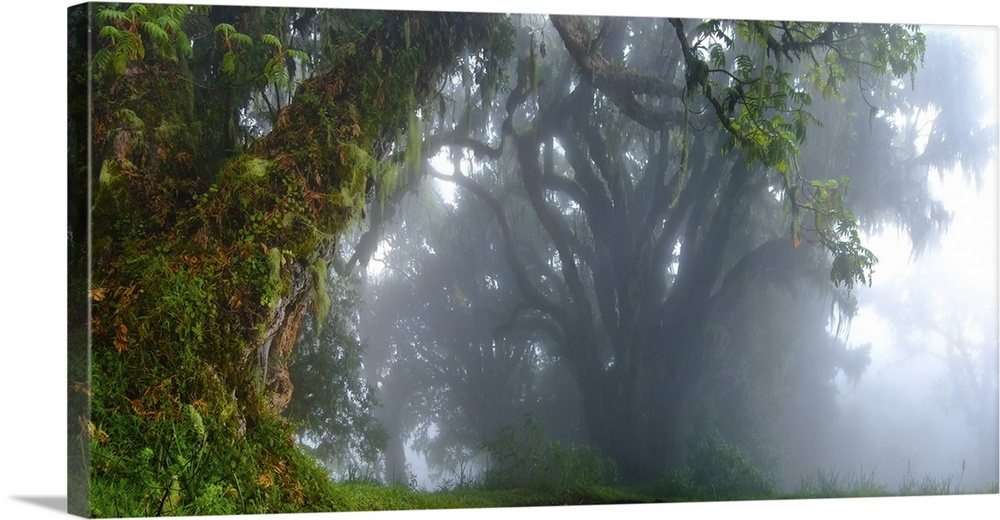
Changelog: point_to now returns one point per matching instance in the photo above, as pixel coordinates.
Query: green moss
(192, 247)
(318, 271)
(247, 173)
(414, 144)
(108, 172)
(276, 285)
(256, 167)
(352, 177)
(301, 238)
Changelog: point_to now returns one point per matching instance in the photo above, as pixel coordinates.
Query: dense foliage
(211, 222)
(638, 247)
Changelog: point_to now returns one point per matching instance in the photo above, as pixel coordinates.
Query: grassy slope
(369, 496)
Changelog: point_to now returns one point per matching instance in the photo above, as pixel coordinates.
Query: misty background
(927, 403)
(36, 479)
(913, 397)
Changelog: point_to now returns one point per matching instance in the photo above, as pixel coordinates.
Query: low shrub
(520, 457)
(717, 469)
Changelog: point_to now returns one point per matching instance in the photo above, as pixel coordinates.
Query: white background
(32, 252)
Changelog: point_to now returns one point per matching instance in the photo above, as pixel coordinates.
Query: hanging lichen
(414, 144)
(211, 230)
(320, 297)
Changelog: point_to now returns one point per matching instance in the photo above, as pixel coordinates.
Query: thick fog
(480, 274)
(925, 410)
(927, 403)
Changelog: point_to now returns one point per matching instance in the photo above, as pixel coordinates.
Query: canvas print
(330, 259)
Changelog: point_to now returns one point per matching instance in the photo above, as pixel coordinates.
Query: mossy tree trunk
(200, 278)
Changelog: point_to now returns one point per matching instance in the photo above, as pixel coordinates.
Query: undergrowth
(520, 457)
(190, 261)
(717, 469)
(830, 484)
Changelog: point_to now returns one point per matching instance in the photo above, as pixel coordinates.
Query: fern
(110, 32)
(271, 40)
(121, 29)
(717, 55)
(298, 55)
(228, 64)
(108, 15)
(226, 29)
(156, 33)
(242, 39)
(136, 10)
(168, 22)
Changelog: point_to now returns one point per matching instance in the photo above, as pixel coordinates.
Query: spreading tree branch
(620, 84)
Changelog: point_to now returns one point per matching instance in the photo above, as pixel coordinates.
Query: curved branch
(620, 84)
(533, 322)
(776, 260)
(692, 62)
(528, 289)
(457, 139)
(531, 174)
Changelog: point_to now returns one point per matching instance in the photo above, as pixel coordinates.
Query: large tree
(226, 150)
(665, 163)
(230, 150)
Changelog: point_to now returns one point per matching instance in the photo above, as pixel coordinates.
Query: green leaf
(111, 32)
(119, 63)
(271, 40)
(159, 36)
(184, 44)
(242, 39)
(137, 9)
(102, 59)
(717, 55)
(275, 72)
(170, 23)
(177, 11)
(299, 55)
(228, 64)
(225, 29)
(110, 15)
(744, 66)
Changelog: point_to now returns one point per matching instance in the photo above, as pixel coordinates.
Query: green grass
(372, 496)
(829, 484)
(550, 474)
(202, 466)
(366, 496)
